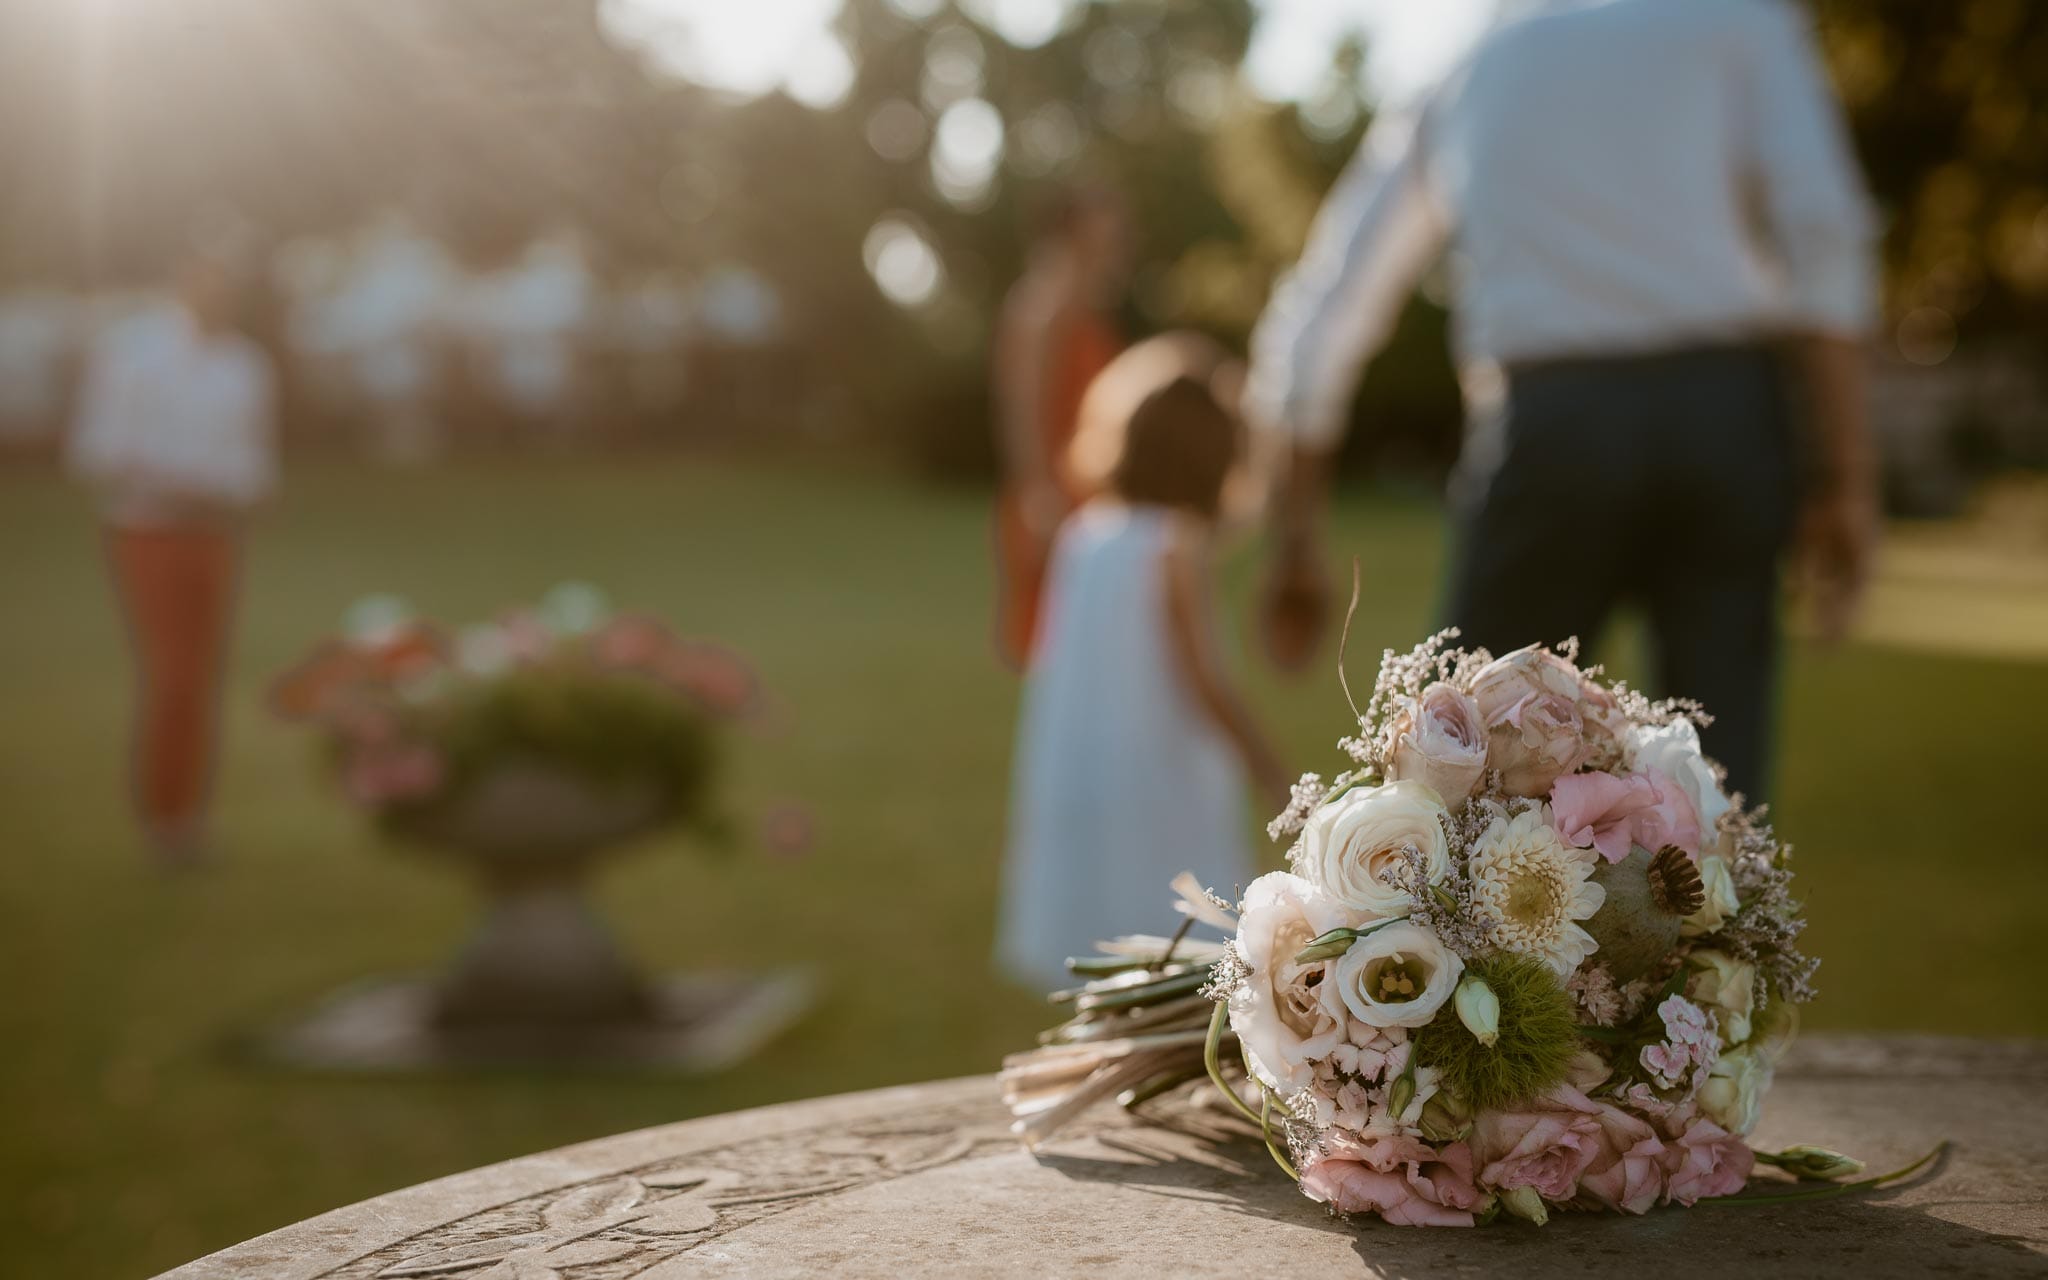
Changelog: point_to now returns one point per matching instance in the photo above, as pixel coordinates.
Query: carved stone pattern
(619, 1225)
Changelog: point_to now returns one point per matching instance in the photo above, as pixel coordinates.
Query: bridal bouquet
(416, 720)
(1531, 955)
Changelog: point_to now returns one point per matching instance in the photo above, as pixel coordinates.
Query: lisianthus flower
(1438, 740)
(1396, 976)
(1615, 814)
(1534, 889)
(1529, 702)
(1704, 1161)
(1278, 1012)
(1350, 846)
(1547, 1144)
(1400, 1178)
(1627, 1172)
(1674, 750)
(1726, 988)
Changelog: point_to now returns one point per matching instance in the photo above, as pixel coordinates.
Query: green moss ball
(1538, 1036)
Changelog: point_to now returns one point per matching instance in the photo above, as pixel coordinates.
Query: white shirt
(172, 416)
(1626, 176)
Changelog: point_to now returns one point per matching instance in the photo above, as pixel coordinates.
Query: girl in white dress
(1134, 746)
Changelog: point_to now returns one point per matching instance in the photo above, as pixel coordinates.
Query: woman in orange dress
(1056, 333)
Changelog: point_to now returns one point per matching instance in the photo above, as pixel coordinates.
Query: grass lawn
(135, 1139)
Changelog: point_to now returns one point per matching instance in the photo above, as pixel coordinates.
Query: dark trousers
(1667, 481)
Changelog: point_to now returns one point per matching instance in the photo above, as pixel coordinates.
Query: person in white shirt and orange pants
(1651, 214)
(174, 433)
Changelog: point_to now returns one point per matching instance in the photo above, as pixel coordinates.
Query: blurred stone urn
(541, 960)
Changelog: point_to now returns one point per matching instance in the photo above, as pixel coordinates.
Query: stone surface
(926, 1180)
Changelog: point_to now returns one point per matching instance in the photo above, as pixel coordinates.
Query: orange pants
(177, 588)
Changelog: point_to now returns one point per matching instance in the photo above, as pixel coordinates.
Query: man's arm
(1822, 229)
(1377, 232)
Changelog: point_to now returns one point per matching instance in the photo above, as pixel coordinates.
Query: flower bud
(1814, 1164)
(1326, 947)
(1445, 1118)
(1479, 1009)
(1402, 1093)
(1525, 1203)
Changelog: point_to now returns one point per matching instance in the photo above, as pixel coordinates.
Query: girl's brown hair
(1155, 430)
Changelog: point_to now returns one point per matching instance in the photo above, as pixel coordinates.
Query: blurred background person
(1134, 744)
(174, 436)
(1057, 331)
(1643, 236)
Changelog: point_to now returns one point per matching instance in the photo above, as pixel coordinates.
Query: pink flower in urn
(1529, 703)
(1627, 1173)
(719, 681)
(1401, 1178)
(383, 777)
(633, 643)
(1548, 1145)
(1614, 814)
(1705, 1161)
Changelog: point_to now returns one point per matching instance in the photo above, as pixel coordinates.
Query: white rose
(1733, 1096)
(1351, 843)
(1726, 987)
(1720, 902)
(1278, 1013)
(1396, 976)
(1674, 751)
(1438, 740)
(1529, 702)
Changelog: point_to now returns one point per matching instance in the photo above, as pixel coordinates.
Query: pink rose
(1401, 1178)
(1438, 740)
(1547, 1146)
(1705, 1161)
(1628, 1172)
(1529, 703)
(1611, 814)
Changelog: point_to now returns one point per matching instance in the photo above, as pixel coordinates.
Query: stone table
(926, 1180)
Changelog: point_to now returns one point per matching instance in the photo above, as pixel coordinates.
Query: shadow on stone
(1187, 1156)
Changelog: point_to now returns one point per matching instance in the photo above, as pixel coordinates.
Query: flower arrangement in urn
(424, 730)
(1530, 955)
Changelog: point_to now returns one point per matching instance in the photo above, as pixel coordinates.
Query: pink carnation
(1401, 1178)
(1705, 1161)
(1614, 814)
(1628, 1172)
(1547, 1145)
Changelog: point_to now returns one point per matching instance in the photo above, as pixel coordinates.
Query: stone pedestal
(540, 980)
(926, 1180)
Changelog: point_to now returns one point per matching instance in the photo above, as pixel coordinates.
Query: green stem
(1844, 1188)
(1216, 1025)
(1266, 1131)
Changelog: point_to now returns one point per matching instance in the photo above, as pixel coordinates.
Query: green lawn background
(132, 1137)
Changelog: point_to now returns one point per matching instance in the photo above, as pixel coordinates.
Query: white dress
(1121, 782)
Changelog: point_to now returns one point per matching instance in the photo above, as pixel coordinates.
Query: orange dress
(1083, 348)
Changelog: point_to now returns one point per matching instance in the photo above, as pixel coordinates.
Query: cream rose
(1720, 902)
(1733, 1096)
(1726, 987)
(1396, 976)
(1674, 751)
(1278, 1012)
(1529, 702)
(1438, 740)
(1351, 843)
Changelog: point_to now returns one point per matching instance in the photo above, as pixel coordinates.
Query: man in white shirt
(174, 434)
(1650, 211)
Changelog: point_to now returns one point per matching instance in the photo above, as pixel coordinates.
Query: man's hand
(1294, 605)
(1836, 551)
